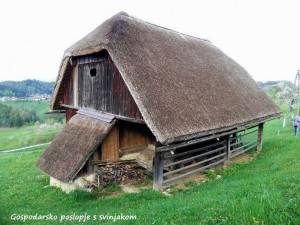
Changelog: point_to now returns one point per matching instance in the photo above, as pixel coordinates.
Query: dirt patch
(201, 177)
(243, 158)
(129, 189)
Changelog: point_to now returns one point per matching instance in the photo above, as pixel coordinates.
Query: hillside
(282, 92)
(25, 88)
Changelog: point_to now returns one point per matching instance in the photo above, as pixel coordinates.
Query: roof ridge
(122, 13)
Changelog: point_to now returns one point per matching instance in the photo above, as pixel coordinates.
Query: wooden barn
(132, 87)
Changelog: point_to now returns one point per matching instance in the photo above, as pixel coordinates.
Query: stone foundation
(79, 183)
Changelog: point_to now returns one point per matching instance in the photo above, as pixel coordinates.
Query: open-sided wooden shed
(129, 84)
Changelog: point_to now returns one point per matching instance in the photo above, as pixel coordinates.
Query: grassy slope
(25, 136)
(264, 191)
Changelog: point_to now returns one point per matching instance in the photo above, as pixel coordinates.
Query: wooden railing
(182, 161)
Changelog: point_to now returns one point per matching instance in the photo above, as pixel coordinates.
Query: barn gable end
(96, 83)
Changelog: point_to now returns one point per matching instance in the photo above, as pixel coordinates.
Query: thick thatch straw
(70, 150)
(185, 87)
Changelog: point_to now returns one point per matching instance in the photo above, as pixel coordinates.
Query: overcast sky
(262, 36)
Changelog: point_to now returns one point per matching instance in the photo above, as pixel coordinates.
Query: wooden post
(75, 85)
(90, 167)
(260, 137)
(228, 153)
(97, 156)
(158, 171)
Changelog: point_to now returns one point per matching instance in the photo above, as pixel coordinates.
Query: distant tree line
(272, 84)
(12, 117)
(25, 88)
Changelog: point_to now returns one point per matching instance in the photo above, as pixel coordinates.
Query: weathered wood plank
(242, 151)
(194, 150)
(243, 146)
(194, 157)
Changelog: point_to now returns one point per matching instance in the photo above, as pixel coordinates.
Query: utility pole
(297, 84)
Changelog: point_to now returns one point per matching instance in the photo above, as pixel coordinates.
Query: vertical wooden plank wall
(110, 146)
(105, 90)
(132, 134)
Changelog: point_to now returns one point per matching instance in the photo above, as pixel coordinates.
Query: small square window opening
(93, 72)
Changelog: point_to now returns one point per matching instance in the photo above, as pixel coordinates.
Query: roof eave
(204, 134)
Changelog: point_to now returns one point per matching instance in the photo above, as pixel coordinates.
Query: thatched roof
(185, 87)
(70, 150)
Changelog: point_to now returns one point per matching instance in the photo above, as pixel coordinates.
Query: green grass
(25, 136)
(263, 191)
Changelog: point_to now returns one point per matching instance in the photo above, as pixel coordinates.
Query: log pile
(118, 173)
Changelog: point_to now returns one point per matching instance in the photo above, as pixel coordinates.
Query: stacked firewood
(118, 173)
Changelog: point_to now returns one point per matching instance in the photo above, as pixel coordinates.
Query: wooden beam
(127, 119)
(158, 171)
(55, 111)
(252, 143)
(193, 171)
(195, 164)
(221, 143)
(260, 137)
(242, 151)
(69, 106)
(194, 157)
(96, 114)
(116, 116)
